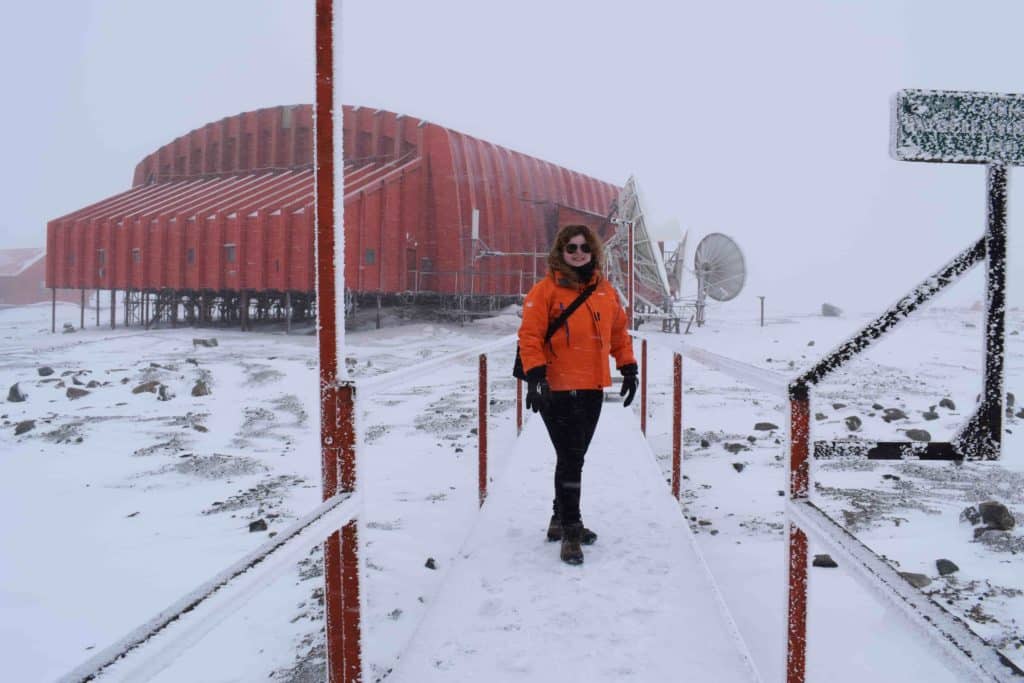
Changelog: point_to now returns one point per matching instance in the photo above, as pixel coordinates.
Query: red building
(219, 223)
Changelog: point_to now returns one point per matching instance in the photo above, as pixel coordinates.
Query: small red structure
(22, 278)
(219, 223)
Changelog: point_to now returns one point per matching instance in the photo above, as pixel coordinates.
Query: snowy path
(641, 607)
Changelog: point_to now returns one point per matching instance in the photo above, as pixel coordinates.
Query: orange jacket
(577, 357)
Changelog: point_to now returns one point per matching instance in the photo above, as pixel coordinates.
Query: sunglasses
(570, 248)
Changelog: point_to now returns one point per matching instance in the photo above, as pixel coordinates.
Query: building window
(190, 256)
(370, 257)
(101, 257)
(136, 255)
(229, 253)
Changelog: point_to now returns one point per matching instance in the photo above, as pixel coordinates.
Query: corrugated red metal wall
(229, 206)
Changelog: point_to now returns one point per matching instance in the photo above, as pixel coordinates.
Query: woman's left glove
(538, 394)
(628, 383)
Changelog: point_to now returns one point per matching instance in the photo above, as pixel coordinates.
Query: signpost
(972, 128)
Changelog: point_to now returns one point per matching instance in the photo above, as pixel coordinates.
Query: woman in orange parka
(566, 377)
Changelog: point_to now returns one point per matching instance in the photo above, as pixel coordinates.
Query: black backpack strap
(560, 320)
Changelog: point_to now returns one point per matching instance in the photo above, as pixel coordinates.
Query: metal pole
(677, 421)
(53, 310)
(629, 280)
(337, 414)
(519, 406)
(97, 308)
(482, 425)
(643, 387)
(762, 310)
(81, 313)
(113, 308)
(995, 310)
(287, 312)
(799, 485)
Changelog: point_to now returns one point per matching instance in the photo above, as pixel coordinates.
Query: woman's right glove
(538, 394)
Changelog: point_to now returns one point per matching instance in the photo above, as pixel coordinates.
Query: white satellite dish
(720, 269)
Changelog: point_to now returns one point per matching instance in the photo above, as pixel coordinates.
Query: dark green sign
(958, 127)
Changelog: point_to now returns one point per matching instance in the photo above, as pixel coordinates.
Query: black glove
(628, 383)
(538, 394)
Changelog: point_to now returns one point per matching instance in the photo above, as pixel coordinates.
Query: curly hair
(556, 261)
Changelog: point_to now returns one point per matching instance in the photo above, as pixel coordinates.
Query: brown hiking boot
(587, 537)
(572, 553)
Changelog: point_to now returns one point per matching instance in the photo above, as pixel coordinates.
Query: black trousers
(571, 419)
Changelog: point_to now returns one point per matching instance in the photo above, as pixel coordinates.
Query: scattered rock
(930, 414)
(894, 414)
(738, 466)
(24, 426)
(92, 384)
(15, 394)
(824, 561)
(704, 443)
(1020, 413)
(75, 393)
(853, 423)
(970, 514)
(209, 343)
(946, 567)
(124, 380)
(193, 361)
(996, 516)
(134, 514)
(77, 382)
(68, 328)
(430, 564)
(259, 525)
(735, 447)
(765, 427)
(893, 477)
(877, 406)
(838, 406)
(752, 439)
(916, 580)
(201, 388)
(45, 371)
(1010, 399)
(151, 387)
(831, 311)
(200, 428)
(810, 343)
(918, 435)
(991, 536)
(781, 492)
(820, 416)
(164, 393)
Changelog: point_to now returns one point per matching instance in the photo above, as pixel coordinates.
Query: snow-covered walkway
(642, 607)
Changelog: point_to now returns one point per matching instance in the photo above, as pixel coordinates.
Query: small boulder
(704, 443)
(918, 435)
(92, 384)
(831, 311)
(430, 563)
(930, 414)
(853, 423)
(752, 439)
(209, 343)
(44, 371)
(1020, 413)
(946, 567)
(738, 466)
(735, 447)
(891, 477)
(820, 416)
(971, 515)
(947, 403)
(24, 426)
(200, 428)
(838, 406)
(810, 343)
(916, 580)
(69, 328)
(75, 393)
(200, 389)
(765, 427)
(894, 414)
(150, 387)
(15, 394)
(824, 561)
(877, 406)
(996, 516)
(164, 393)
(259, 525)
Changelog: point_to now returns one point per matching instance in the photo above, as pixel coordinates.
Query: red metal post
(482, 426)
(113, 308)
(519, 406)
(81, 321)
(799, 484)
(643, 387)
(677, 421)
(53, 310)
(337, 399)
(796, 642)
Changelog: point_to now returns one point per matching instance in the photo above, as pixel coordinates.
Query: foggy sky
(766, 121)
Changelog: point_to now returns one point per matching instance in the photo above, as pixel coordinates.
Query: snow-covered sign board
(958, 127)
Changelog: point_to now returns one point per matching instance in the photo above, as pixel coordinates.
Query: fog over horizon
(768, 123)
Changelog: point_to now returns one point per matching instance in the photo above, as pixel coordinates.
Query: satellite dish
(720, 269)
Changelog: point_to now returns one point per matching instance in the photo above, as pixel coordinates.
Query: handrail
(231, 587)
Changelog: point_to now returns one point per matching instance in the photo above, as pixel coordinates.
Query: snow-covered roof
(14, 262)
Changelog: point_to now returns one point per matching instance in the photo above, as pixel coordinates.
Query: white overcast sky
(766, 121)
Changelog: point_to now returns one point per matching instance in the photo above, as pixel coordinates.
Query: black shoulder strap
(560, 320)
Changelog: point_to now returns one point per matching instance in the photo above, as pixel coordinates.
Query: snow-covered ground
(117, 503)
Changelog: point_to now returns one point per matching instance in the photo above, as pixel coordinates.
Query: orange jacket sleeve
(534, 326)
